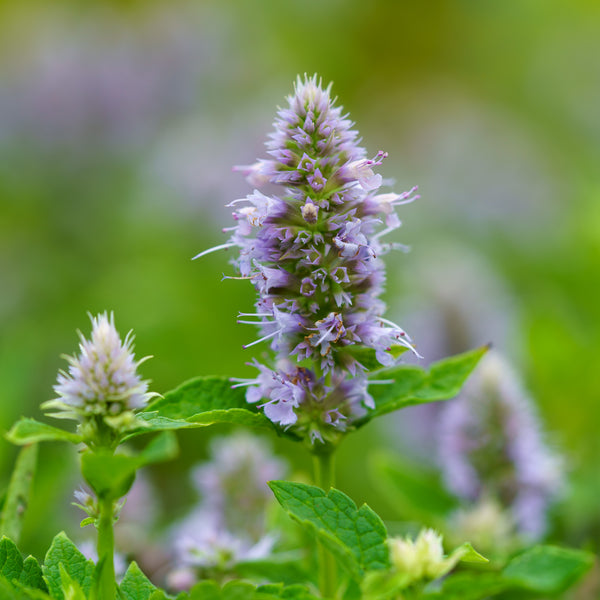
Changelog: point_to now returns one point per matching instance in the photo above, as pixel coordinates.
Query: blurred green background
(120, 123)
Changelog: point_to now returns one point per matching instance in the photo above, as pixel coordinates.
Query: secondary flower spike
(102, 387)
(313, 253)
(491, 444)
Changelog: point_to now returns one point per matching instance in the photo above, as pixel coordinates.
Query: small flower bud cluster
(313, 253)
(491, 445)
(422, 558)
(102, 388)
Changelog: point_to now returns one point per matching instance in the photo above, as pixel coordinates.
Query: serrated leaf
(357, 537)
(135, 585)
(64, 552)
(11, 561)
(31, 575)
(200, 402)
(17, 496)
(415, 385)
(547, 569)
(30, 431)
(12, 566)
(415, 492)
(111, 475)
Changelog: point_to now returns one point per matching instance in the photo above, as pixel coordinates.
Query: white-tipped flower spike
(102, 388)
(491, 444)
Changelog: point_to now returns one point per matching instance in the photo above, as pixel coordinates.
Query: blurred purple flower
(490, 444)
(229, 523)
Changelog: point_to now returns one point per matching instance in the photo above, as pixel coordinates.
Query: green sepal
(356, 537)
(410, 385)
(112, 475)
(30, 431)
(87, 521)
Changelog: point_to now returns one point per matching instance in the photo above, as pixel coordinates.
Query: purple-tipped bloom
(491, 444)
(313, 253)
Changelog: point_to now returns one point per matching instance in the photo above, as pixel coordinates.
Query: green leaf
(240, 590)
(384, 585)
(64, 552)
(22, 592)
(15, 591)
(357, 537)
(291, 592)
(135, 585)
(12, 566)
(287, 572)
(111, 475)
(468, 586)
(200, 402)
(547, 569)
(30, 431)
(235, 590)
(19, 489)
(31, 575)
(415, 385)
(70, 588)
(367, 356)
(11, 561)
(415, 492)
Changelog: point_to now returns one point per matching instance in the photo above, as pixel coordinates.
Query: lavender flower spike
(102, 388)
(313, 253)
(491, 446)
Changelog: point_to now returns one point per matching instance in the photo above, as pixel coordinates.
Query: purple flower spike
(313, 254)
(491, 445)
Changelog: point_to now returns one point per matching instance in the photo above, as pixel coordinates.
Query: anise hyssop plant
(313, 251)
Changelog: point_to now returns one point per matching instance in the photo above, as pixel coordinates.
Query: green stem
(106, 550)
(324, 467)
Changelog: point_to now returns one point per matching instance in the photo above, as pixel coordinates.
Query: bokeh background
(119, 127)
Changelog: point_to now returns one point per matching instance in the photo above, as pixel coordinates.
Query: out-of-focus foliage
(119, 125)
